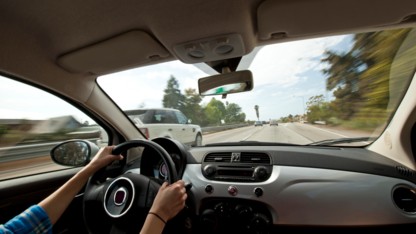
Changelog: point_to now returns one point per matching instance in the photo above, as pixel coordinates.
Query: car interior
(348, 183)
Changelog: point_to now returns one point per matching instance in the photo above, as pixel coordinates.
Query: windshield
(345, 86)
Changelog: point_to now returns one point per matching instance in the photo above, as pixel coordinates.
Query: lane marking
(245, 138)
(250, 134)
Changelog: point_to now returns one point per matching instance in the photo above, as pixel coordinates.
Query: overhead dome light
(224, 49)
(211, 49)
(196, 54)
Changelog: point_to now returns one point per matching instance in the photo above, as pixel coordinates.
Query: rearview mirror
(226, 83)
(74, 152)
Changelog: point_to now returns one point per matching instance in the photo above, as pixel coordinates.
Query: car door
(172, 125)
(159, 124)
(187, 130)
(32, 121)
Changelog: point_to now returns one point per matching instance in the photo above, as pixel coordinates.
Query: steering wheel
(121, 204)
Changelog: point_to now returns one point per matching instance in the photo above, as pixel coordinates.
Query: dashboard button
(232, 190)
(209, 188)
(258, 191)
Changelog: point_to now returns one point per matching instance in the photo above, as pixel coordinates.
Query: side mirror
(226, 83)
(74, 152)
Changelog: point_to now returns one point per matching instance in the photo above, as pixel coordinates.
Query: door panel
(18, 194)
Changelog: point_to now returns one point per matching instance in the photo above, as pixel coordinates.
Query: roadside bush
(367, 119)
(334, 121)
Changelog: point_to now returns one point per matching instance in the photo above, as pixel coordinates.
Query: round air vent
(405, 199)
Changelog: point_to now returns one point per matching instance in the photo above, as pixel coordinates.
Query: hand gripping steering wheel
(120, 204)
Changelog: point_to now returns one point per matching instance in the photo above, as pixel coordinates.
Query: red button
(232, 190)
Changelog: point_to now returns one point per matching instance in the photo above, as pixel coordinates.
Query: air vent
(254, 157)
(405, 199)
(245, 157)
(405, 171)
(218, 157)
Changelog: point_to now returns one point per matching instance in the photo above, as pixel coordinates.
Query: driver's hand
(102, 158)
(169, 200)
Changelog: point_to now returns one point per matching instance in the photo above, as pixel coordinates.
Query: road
(296, 133)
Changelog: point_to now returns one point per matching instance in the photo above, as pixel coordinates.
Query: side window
(181, 117)
(170, 115)
(158, 116)
(32, 122)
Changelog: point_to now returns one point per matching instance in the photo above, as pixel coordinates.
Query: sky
(285, 76)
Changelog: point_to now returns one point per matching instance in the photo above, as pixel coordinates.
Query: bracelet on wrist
(158, 216)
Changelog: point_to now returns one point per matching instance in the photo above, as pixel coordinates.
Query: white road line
(245, 138)
(249, 135)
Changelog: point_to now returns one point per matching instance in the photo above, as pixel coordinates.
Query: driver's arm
(56, 203)
(40, 218)
(168, 202)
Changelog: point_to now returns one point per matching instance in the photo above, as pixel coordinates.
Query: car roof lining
(58, 28)
(275, 20)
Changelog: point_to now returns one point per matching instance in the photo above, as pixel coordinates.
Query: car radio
(237, 166)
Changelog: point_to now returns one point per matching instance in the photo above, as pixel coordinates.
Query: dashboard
(262, 189)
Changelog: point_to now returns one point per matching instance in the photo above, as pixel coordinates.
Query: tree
(343, 78)
(173, 97)
(378, 50)
(318, 109)
(360, 77)
(256, 107)
(192, 108)
(233, 113)
(215, 111)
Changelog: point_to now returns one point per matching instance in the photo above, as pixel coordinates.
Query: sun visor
(288, 18)
(128, 50)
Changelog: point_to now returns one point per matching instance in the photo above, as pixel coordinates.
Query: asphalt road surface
(296, 133)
